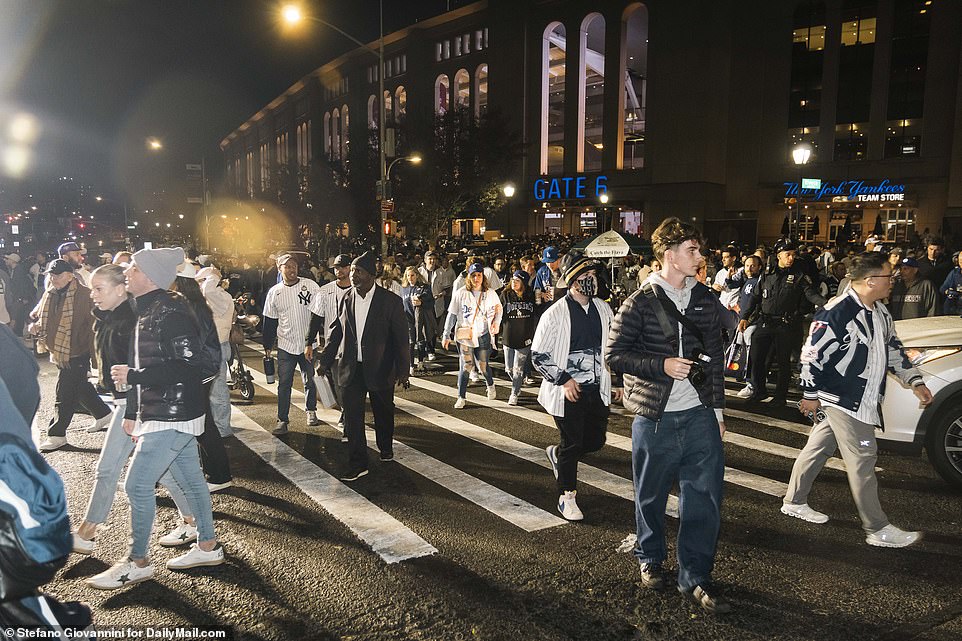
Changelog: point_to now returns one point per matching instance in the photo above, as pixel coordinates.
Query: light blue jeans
(220, 395)
(113, 456)
(467, 357)
(155, 454)
(515, 364)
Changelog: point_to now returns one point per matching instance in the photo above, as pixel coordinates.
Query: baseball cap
(283, 259)
(475, 268)
(342, 260)
(15, 257)
(550, 255)
(430, 253)
(909, 262)
(68, 247)
(58, 266)
(785, 245)
(520, 275)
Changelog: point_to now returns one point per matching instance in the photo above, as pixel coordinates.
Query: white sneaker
(431, 356)
(529, 380)
(183, 534)
(492, 392)
(746, 391)
(459, 404)
(82, 545)
(513, 399)
(473, 377)
(217, 487)
(53, 443)
(568, 506)
(195, 557)
(312, 419)
(100, 424)
(892, 537)
(124, 573)
(803, 512)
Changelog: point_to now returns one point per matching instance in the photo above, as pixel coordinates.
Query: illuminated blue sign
(852, 189)
(568, 188)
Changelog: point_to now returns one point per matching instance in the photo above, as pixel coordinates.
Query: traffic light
(387, 227)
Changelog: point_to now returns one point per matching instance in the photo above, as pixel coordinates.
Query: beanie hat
(574, 266)
(366, 261)
(159, 265)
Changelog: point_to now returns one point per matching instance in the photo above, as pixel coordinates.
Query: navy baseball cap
(550, 255)
(520, 275)
(910, 262)
(475, 268)
(68, 247)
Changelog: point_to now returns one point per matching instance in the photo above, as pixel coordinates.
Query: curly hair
(671, 233)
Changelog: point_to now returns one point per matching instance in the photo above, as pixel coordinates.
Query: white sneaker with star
(122, 574)
(195, 557)
(183, 534)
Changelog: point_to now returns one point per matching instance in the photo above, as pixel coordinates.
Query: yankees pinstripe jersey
(331, 295)
(291, 306)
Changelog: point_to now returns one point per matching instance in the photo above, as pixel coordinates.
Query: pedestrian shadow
(83, 568)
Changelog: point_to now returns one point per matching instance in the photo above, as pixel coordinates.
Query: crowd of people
(651, 332)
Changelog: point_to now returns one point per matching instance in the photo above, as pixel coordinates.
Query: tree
(461, 174)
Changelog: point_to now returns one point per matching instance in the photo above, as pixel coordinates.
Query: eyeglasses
(889, 276)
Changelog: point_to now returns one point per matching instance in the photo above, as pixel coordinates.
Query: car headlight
(922, 356)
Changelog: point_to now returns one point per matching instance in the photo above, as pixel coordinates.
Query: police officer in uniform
(778, 311)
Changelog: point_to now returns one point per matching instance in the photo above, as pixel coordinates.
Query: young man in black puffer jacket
(666, 341)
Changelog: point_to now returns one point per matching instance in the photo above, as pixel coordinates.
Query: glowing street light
(508, 190)
(291, 14)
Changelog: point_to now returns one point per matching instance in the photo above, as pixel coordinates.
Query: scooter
(238, 378)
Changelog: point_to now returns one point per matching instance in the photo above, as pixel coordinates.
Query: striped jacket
(835, 356)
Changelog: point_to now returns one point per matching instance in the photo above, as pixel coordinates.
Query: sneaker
(217, 487)
(492, 392)
(280, 429)
(431, 356)
(355, 474)
(459, 404)
(411, 372)
(100, 424)
(803, 512)
(122, 574)
(709, 599)
(473, 377)
(892, 537)
(746, 392)
(82, 545)
(344, 437)
(569, 507)
(529, 380)
(312, 419)
(513, 399)
(183, 534)
(552, 452)
(387, 456)
(195, 558)
(53, 443)
(654, 576)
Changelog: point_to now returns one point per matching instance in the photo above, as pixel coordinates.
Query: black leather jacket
(167, 386)
(638, 348)
(113, 330)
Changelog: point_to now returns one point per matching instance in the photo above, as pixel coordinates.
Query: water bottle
(269, 369)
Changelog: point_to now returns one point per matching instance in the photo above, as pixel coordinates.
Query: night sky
(100, 76)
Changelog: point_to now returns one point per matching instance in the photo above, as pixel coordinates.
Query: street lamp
(293, 15)
(801, 155)
(413, 159)
(508, 190)
(603, 199)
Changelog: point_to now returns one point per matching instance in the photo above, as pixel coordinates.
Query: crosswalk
(393, 541)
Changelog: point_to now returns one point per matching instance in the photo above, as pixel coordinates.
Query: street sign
(811, 183)
(387, 206)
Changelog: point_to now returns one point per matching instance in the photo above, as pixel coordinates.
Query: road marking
(736, 477)
(389, 538)
(506, 506)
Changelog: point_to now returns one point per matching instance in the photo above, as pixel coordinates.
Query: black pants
(382, 404)
(213, 455)
(583, 429)
(785, 339)
(73, 391)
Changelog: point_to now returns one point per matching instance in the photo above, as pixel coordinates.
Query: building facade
(631, 112)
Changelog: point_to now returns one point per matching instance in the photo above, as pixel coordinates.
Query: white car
(934, 345)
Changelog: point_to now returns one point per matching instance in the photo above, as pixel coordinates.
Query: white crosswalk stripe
(389, 538)
(510, 508)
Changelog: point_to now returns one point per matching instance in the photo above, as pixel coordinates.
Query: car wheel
(944, 445)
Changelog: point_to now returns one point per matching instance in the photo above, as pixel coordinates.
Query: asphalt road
(470, 506)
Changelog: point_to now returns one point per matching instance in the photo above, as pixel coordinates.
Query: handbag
(465, 334)
(736, 357)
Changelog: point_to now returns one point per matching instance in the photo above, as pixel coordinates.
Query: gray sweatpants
(856, 443)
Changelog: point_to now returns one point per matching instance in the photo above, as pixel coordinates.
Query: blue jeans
(515, 364)
(155, 454)
(685, 446)
(220, 395)
(113, 456)
(285, 379)
(467, 356)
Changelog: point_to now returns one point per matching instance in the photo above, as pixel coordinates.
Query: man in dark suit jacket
(368, 354)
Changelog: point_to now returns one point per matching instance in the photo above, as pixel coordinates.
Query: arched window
(481, 90)
(591, 84)
(553, 98)
(388, 108)
(372, 116)
(335, 134)
(634, 86)
(327, 135)
(462, 89)
(345, 128)
(400, 103)
(442, 93)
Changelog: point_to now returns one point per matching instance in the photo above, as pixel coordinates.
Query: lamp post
(603, 198)
(292, 15)
(801, 155)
